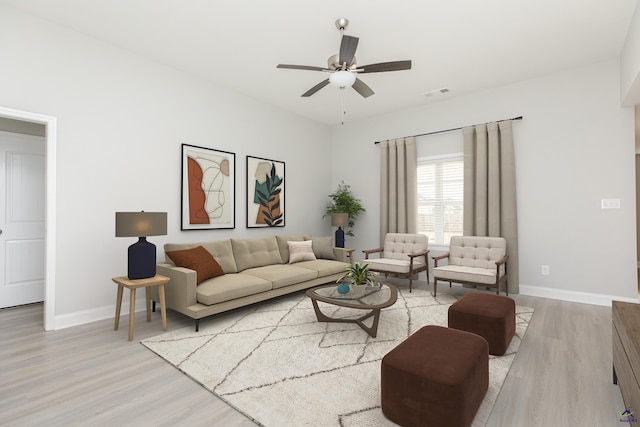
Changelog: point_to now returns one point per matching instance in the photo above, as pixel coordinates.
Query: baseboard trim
(573, 296)
(82, 317)
(107, 312)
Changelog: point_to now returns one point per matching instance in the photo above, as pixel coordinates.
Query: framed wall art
(208, 188)
(265, 193)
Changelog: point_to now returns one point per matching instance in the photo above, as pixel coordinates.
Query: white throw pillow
(301, 251)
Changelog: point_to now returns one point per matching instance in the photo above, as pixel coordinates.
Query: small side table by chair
(132, 285)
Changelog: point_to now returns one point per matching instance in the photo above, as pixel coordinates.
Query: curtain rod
(449, 130)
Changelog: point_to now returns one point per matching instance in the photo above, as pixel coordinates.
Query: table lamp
(339, 220)
(142, 254)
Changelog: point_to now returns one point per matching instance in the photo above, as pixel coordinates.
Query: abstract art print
(208, 188)
(265, 193)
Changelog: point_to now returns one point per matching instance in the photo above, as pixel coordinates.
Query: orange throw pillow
(198, 259)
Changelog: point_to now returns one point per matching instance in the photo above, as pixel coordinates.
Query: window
(440, 197)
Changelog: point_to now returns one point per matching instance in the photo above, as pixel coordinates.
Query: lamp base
(142, 260)
(339, 238)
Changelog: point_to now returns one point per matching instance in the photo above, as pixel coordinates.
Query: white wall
(121, 122)
(574, 147)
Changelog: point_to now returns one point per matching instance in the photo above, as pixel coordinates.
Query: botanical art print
(208, 188)
(265, 193)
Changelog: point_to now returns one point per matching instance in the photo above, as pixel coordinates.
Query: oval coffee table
(363, 297)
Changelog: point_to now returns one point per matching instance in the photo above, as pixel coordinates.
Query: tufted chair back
(398, 245)
(475, 251)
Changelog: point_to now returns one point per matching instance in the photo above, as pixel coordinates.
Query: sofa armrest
(344, 254)
(180, 292)
(502, 260)
(417, 254)
(438, 258)
(368, 252)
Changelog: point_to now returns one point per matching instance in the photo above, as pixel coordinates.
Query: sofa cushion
(284, 248)
(229, 287)
(322, 247)
(324, 267)
(466, 274)
(300, 251)
(221, 251)
(281, 275)
(250, 253)
(198, 259)
(475, 251)
(399, 245)
(393, 265)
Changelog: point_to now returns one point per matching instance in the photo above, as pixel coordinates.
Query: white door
(22, 214)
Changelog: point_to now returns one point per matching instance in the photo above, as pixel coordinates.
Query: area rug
(278, 365)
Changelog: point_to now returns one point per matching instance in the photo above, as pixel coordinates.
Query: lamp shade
(342, 78)
(339, 219)
(139, 224)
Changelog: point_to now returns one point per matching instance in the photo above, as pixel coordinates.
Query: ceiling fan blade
(386, 66)
(301, 67)
(316, 88)
(362, 88)
(348, 48)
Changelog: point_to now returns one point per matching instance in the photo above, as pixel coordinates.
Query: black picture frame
(266, 195)
(208, 188)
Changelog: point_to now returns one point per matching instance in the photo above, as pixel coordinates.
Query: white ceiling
(463, 45)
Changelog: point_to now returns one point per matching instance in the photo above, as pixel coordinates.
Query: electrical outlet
(544, 270)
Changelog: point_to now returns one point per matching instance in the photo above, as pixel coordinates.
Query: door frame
(50, 123)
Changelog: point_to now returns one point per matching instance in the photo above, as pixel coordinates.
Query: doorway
(22, 219)
(49, 204)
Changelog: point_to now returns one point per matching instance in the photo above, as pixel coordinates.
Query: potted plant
(359, 274)
(343, 201)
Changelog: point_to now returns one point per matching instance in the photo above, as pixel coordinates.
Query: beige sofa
(254, 270)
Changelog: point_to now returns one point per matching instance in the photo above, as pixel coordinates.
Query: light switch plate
(610, 203)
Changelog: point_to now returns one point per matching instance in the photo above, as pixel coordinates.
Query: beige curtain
(490, 188)
(398, 186)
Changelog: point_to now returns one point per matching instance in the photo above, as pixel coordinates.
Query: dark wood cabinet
(626, 352)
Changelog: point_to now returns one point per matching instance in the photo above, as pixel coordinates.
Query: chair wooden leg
(410, 280)
(435, 287)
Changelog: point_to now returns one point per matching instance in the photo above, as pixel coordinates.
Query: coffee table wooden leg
(132, 312)
(163, 307)
(118, 307)
(372, 331)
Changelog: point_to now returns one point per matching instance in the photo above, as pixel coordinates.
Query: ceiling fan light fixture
(342, 78)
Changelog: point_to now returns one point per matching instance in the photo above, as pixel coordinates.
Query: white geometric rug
(278, 365)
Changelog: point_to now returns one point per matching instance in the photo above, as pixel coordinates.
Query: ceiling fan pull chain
(343, 109)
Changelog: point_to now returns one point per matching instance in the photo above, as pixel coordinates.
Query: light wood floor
(91, 375)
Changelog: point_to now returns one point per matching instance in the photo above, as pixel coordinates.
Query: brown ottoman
(436, 377)
(490, 316)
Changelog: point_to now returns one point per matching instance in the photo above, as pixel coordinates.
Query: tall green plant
(343, 201)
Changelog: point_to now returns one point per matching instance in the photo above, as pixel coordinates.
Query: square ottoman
(490, 316)
(436, 377)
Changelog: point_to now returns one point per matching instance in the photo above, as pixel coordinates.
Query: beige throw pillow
(300, 251)
(322, 247)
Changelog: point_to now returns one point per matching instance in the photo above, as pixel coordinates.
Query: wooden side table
(132, 285)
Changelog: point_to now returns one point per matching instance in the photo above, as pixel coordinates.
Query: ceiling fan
(343, 67)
